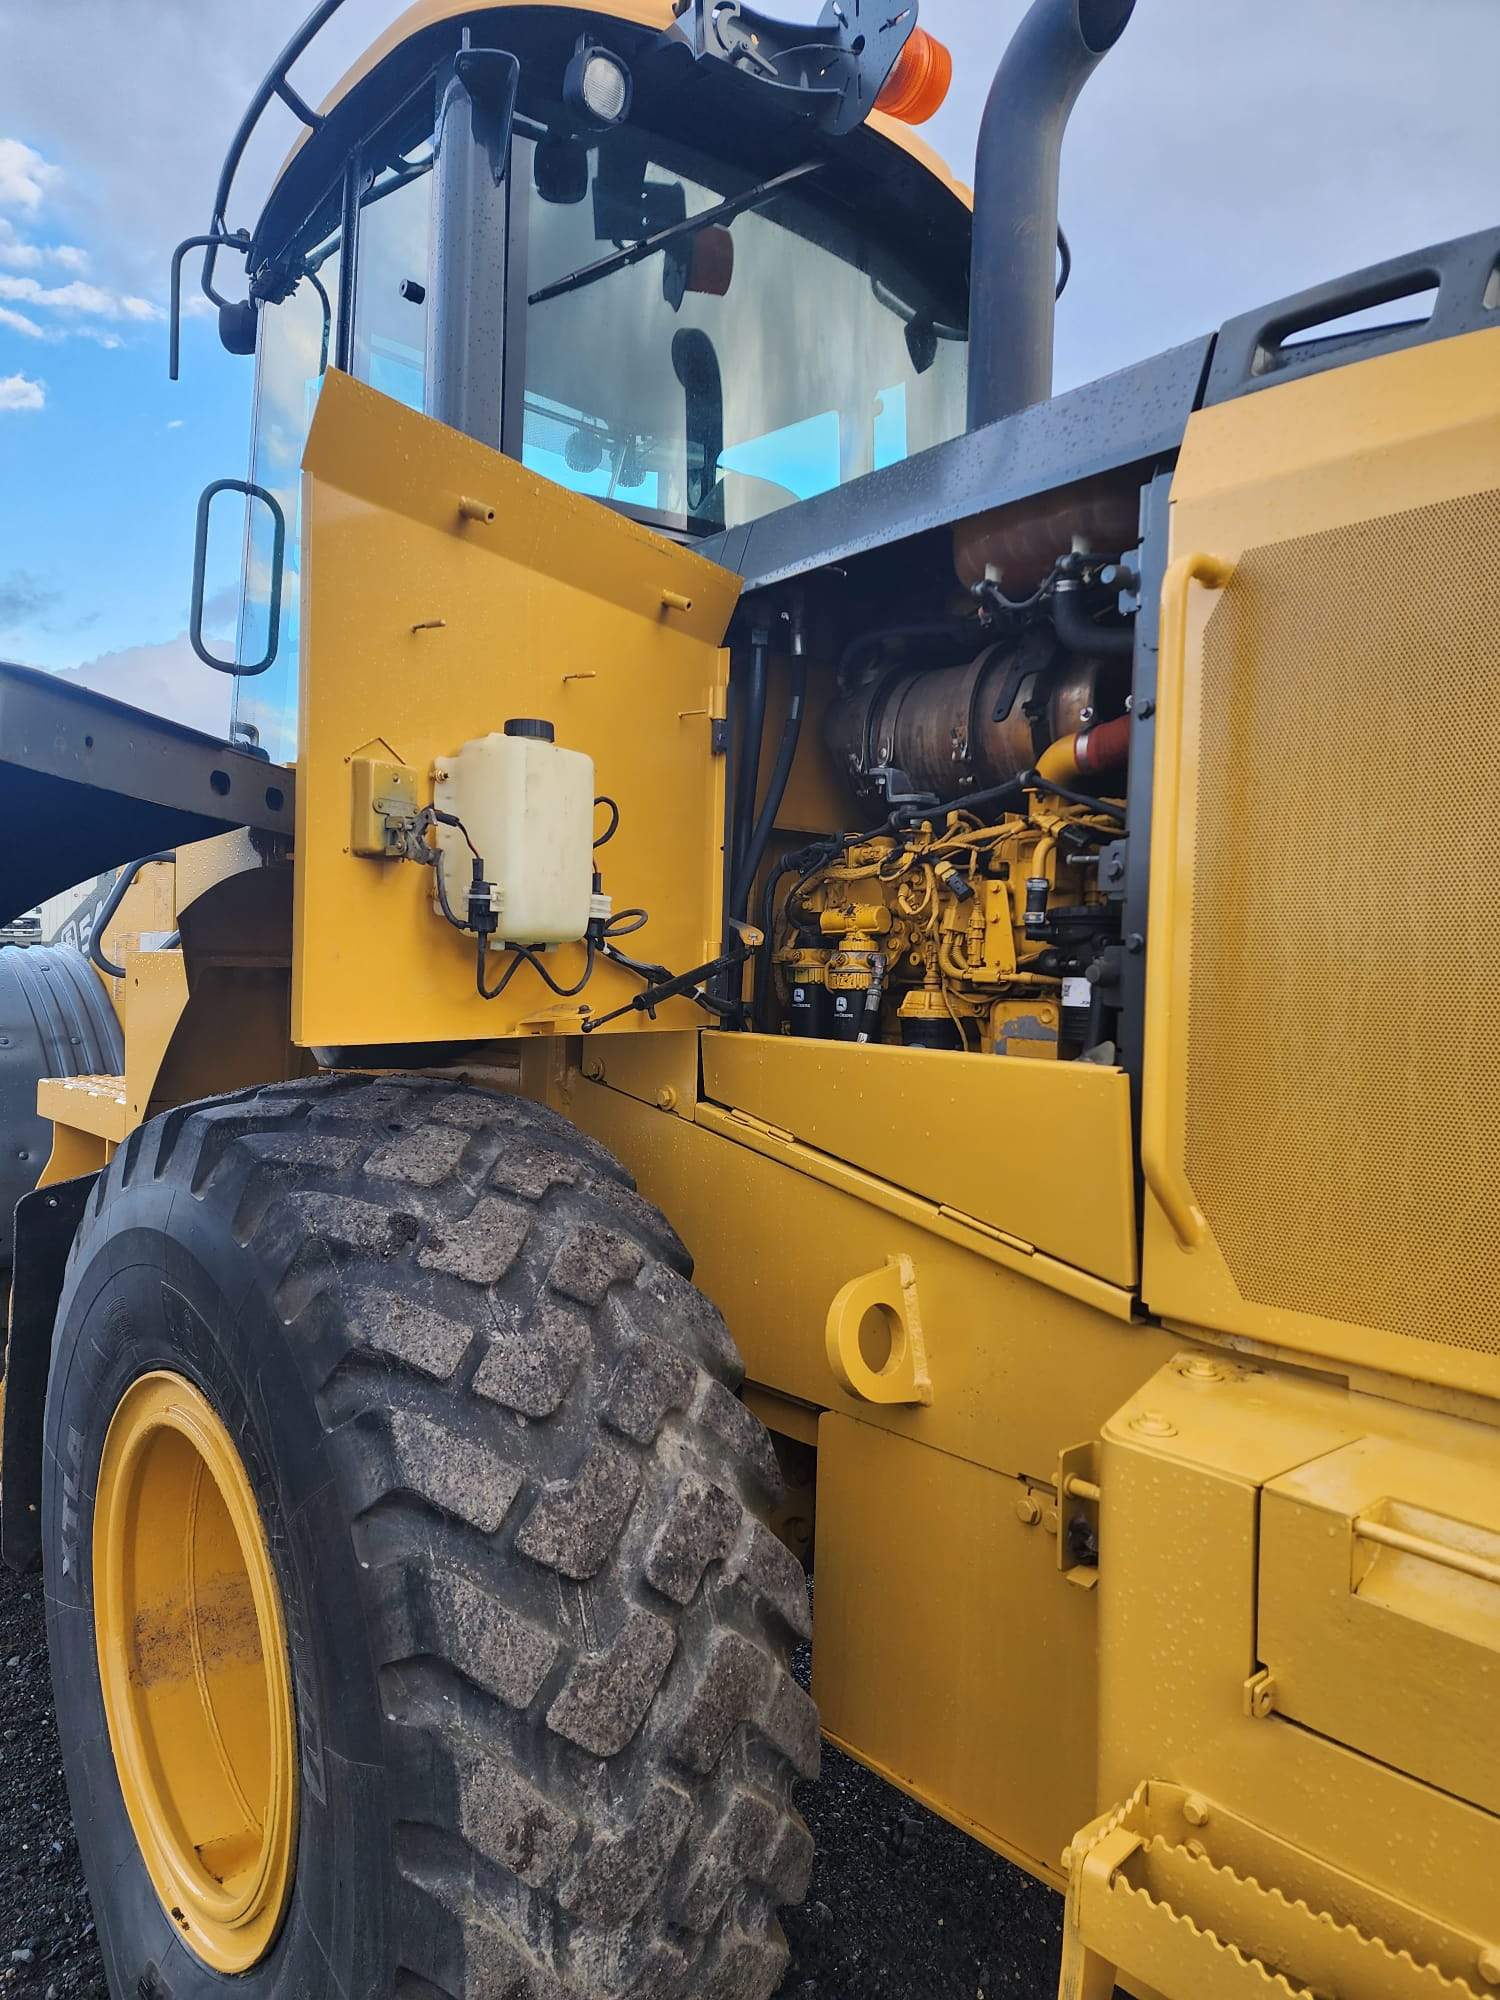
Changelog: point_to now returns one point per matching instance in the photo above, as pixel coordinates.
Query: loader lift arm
(90, 783)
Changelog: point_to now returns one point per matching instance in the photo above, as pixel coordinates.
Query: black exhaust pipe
(1013, 278)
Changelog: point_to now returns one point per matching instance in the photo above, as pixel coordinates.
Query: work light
(597, 85)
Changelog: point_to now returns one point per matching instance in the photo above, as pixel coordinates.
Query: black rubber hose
(959, 630)
(994, 795)
(112, 903)
(1077, 630)
(1101, 807)
(752, 724)
(781, 771)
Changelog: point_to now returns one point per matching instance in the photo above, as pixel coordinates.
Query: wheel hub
(193, 1665)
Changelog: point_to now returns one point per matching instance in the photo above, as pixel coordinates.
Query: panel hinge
(1078, 1497)
(1260, 1694)
(760, 1127)
(1017, 1243)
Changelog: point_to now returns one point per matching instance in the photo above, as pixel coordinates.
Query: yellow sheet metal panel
(155, 995)
(1185, 1468)
(1019, 1370)
(1324, 919)
(948, 1651)
(1041, 1150)
(423, 628)
(1394, 1650)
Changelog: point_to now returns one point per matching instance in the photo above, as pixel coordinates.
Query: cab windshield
(681, 342)
(750, 361)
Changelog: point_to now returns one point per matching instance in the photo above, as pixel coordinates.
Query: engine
(982, 912)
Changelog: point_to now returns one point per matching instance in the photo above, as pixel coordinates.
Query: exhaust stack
(1014, 261)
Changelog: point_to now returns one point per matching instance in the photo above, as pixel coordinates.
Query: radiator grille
(1343, 1087)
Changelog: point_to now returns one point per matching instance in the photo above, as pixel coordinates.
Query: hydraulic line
(781, 771)
(752, 723)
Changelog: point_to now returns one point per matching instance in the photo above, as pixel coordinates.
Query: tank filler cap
(530, 725)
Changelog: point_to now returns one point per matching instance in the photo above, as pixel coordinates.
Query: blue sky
(101, 457)
(102, 480)
(1205, 173)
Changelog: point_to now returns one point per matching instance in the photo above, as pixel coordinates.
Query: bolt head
(1489, 1965)
(1153, 1424)
(1027, 1511)
(593, 1069)
(1195, 1810)
(666, 1097)
(1200, 1368)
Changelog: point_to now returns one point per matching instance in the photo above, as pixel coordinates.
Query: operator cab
(693, 311)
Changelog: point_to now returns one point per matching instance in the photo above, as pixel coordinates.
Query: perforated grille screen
(1343, 1112)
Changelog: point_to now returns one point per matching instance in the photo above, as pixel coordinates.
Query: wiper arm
(637, 253)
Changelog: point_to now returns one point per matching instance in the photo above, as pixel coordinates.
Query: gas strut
(683, 984)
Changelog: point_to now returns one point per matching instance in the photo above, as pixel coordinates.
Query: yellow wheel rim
(193, 1663)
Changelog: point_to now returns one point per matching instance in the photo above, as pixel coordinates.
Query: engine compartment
(947, 869)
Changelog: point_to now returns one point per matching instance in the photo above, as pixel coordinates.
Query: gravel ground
(901, 1907)
(46, 1927)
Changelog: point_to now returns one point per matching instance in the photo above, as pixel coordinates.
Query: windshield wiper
(637, 253)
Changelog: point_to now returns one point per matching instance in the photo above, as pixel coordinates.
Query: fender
(46, 1223)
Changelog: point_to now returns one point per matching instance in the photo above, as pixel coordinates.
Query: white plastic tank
(528, 806)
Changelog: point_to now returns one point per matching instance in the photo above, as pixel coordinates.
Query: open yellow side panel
(1321, 1091)
(447, 589)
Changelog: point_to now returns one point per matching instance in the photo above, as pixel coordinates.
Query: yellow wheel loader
(799, 954)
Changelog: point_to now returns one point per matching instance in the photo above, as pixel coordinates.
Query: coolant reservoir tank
(528, 806)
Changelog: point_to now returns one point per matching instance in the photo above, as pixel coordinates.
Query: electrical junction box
(383, 795)
(527, 805)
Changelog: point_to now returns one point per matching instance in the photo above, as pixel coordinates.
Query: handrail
(274, 84)
(123, 881)
(1463, 1560)
(174, 311)
(1163, 1172)
(251, 491)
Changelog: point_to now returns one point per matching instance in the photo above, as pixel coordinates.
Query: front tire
(537, 1630)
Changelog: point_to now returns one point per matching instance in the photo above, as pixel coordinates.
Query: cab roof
(656, 15)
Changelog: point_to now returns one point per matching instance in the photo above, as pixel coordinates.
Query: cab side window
(297, 341)
(300, 337)
(391, 263)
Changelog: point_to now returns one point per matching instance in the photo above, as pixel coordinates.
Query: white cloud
(166, 679)
(19, 323)
(79, 297)
(24, 176)
(175, 423)
(23, 256)
(19, 392)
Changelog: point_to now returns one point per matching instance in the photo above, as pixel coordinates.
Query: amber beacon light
(920, 81)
